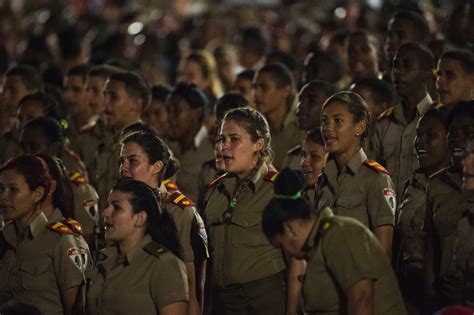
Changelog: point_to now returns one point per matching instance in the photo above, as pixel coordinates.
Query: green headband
(291, 197)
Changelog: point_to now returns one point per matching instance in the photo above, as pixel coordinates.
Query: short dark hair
(282, 57)
(160, 92)
(30, 76)
(424, 56)
(253, 39)
(464, 57)
(80, 71)
(48, 103)
(104, 71)
(248, 74)
(49, 127)
(227, 102)
(194, 95)
(135, 86)
(324, 63)
(280, 73)
(460, 108)
(420, 25)
(315, 136)
(381, 90)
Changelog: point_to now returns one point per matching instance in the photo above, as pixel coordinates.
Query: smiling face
(339, 129)
(452, 82)
(237, 149)
(312, 161)
(135, 164)
(468, 167)
(17, 200)
(430, 145)
(119, 219)
(459, 130)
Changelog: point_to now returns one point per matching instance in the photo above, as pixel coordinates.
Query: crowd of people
(170, 158)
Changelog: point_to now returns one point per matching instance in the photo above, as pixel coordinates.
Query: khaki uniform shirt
(142, 282)
(360, 191)
(36, 269)
(72, 162)
(411, 215)
(9, 145)
(393, 143)
(189, 224)
(287, 138)
(293, 158)
(207, 174)
(240, 252)
(191, 162)
(340, 253)
(445, 206)
(106, 168)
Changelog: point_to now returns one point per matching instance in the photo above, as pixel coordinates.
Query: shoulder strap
(74, 225)
(376, 166)
(170, 185)
(294, 150)
(217, 181)
(77, 178)
(155, 249)
(60, 228)
(386, 113)
(438, 105)
(179, 199)
(271, 176)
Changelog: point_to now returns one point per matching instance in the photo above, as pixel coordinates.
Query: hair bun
(289, 182)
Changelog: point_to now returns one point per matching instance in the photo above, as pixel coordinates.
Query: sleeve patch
(170, 185)
(79, 257)
(389, 195)
(271, 176)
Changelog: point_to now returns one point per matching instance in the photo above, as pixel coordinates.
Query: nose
(305, 160)
(107, 212)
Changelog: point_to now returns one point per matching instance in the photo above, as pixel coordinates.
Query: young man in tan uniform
(392, 141)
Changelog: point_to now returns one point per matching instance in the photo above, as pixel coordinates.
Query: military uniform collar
(138, 249)
(254, 182)
(200, 136)
(55, 216)
(421, 108)
(38, 224)
(310, 242)
(352, 166)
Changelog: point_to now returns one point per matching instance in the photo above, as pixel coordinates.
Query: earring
(357, 134)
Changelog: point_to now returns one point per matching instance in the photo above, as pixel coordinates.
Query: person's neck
(127, 245)
(343, 159)
(48, 209)
(22, 223)
(187, 141)
(243, 176)
(276, 118)
(410, 103)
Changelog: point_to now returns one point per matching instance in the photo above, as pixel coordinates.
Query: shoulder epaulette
(170, 185)
(376, 166)
(271, 176)
(180, 200)
(326, 225)
(88, 126)
(438, 105)
(386, 113)
(155, 249)
(294, 150)
(77, 178)
(70, 152)
(435, 174)
(74, 225)
(60, 228)
(216, 181)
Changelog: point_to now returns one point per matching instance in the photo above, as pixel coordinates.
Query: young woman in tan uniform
(347, 270)
(247, 272)
(44, 261)
(351, 184)
(145, 157)
(140, 273)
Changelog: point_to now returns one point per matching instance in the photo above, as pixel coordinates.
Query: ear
(198, 114)
(136, 105)
(286, 90)
(38, 194)
(360, 127)
(257, 146)
(157, 167)
(140, 218)
(289, 229)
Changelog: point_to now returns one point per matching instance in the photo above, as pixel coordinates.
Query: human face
(339, 129)
(135, 164)
(119, 218)
(14, 89)
(192, 73)
(244, 87)
(399, 32)
(28, 111)
(459, 130)
(268, 96)
(468, 167)
(363, 57)
(220, 166)
(118, 105)
(452, 83)
(374, 108)
(430, 145)
(289, 242)
(312, 161)
(17, 200)
(155, 114)
(182, 118)
(95, 90)
(33, 141)
(407, 76)
(237, 149)
(310, 101)
(76, 96)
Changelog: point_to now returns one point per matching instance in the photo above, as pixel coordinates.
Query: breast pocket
(35, 275)
(247, 229)
(354, 207)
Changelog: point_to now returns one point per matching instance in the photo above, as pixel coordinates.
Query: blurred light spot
(139, 40)
(135, 28)
(340, 13)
